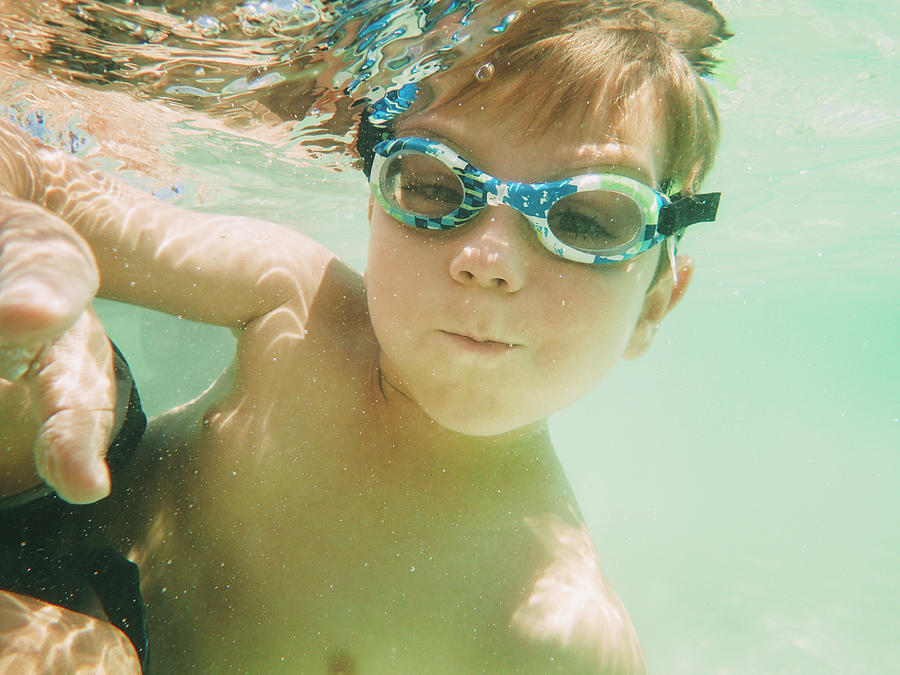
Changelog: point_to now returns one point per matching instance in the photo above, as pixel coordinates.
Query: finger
(48, 275)
(69, 454)
(74, 394)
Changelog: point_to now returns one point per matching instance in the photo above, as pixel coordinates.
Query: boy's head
(567, 62)
(484, 328)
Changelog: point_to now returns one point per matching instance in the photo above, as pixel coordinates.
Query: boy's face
(482, 326)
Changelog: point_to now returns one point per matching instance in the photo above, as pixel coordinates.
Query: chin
(482, 423)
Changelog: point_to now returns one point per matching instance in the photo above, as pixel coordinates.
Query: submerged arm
(217, 269)
(65, 229)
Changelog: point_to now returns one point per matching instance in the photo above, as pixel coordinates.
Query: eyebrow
(628, 164)
(629, 169)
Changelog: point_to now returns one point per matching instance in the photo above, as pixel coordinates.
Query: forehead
(501, 137)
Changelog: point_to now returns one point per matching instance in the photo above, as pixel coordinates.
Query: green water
(741, 480)
(746, 504)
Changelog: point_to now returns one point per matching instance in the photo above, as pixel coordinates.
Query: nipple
(340, 663)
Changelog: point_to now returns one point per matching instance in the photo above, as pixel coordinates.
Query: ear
(661, 298)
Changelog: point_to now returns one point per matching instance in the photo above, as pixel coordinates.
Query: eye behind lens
(417, 183)
(596, 221)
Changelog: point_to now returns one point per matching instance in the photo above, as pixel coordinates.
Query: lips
(480, 343)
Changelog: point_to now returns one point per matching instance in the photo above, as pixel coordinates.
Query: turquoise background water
(741, 480)
(744, 494)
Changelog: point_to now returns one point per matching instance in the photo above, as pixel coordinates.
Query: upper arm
(570, 611)
(213, 268)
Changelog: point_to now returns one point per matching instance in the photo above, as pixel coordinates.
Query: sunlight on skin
(73, 392)
(69, 395)
(572, 605)
(39, 638)
(104, 208)
(48, 276)
(292, 329)
(47, 280)
(362, 489)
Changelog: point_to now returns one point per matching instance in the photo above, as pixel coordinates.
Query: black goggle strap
(687, 210)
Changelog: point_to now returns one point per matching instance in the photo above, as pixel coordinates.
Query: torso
(305, 526)
(16, 440)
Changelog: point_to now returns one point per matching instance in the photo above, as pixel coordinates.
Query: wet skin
(375, 490)
(483, 327)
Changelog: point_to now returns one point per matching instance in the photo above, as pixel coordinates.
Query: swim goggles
(592, 218)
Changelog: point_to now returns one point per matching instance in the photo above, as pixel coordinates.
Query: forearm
(217, 269)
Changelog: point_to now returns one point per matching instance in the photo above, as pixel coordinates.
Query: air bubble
(484, 72)
(207, 26)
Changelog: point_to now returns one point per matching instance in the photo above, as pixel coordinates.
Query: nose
(492, 251)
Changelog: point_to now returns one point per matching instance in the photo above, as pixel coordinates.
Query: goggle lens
(592, 218)
(592, 221)
(596, 220)
(420, 185)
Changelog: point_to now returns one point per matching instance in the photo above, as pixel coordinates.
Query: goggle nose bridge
(495, 192)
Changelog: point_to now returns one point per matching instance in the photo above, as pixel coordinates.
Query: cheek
(381, 279)
(392, 244)
(389, 252)
(590, 318)
(399, 276)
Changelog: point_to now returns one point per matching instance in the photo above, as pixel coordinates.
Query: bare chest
(326, 566)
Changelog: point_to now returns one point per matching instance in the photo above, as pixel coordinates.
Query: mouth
(484, 345)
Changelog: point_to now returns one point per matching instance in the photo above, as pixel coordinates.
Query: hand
(52, 342)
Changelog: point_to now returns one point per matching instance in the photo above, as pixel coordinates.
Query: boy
(374, 488)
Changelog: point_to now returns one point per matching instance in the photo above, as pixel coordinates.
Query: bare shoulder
(570, 612)
(331, 323)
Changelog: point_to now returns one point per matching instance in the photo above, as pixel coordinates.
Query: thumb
(74, 394)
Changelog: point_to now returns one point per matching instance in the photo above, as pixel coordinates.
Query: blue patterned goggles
(593, 218)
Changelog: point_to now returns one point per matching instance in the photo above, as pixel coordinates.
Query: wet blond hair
(571, 59)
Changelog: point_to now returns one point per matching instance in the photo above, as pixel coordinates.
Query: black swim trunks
(43, 548)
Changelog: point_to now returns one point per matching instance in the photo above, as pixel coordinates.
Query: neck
(417, 440)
